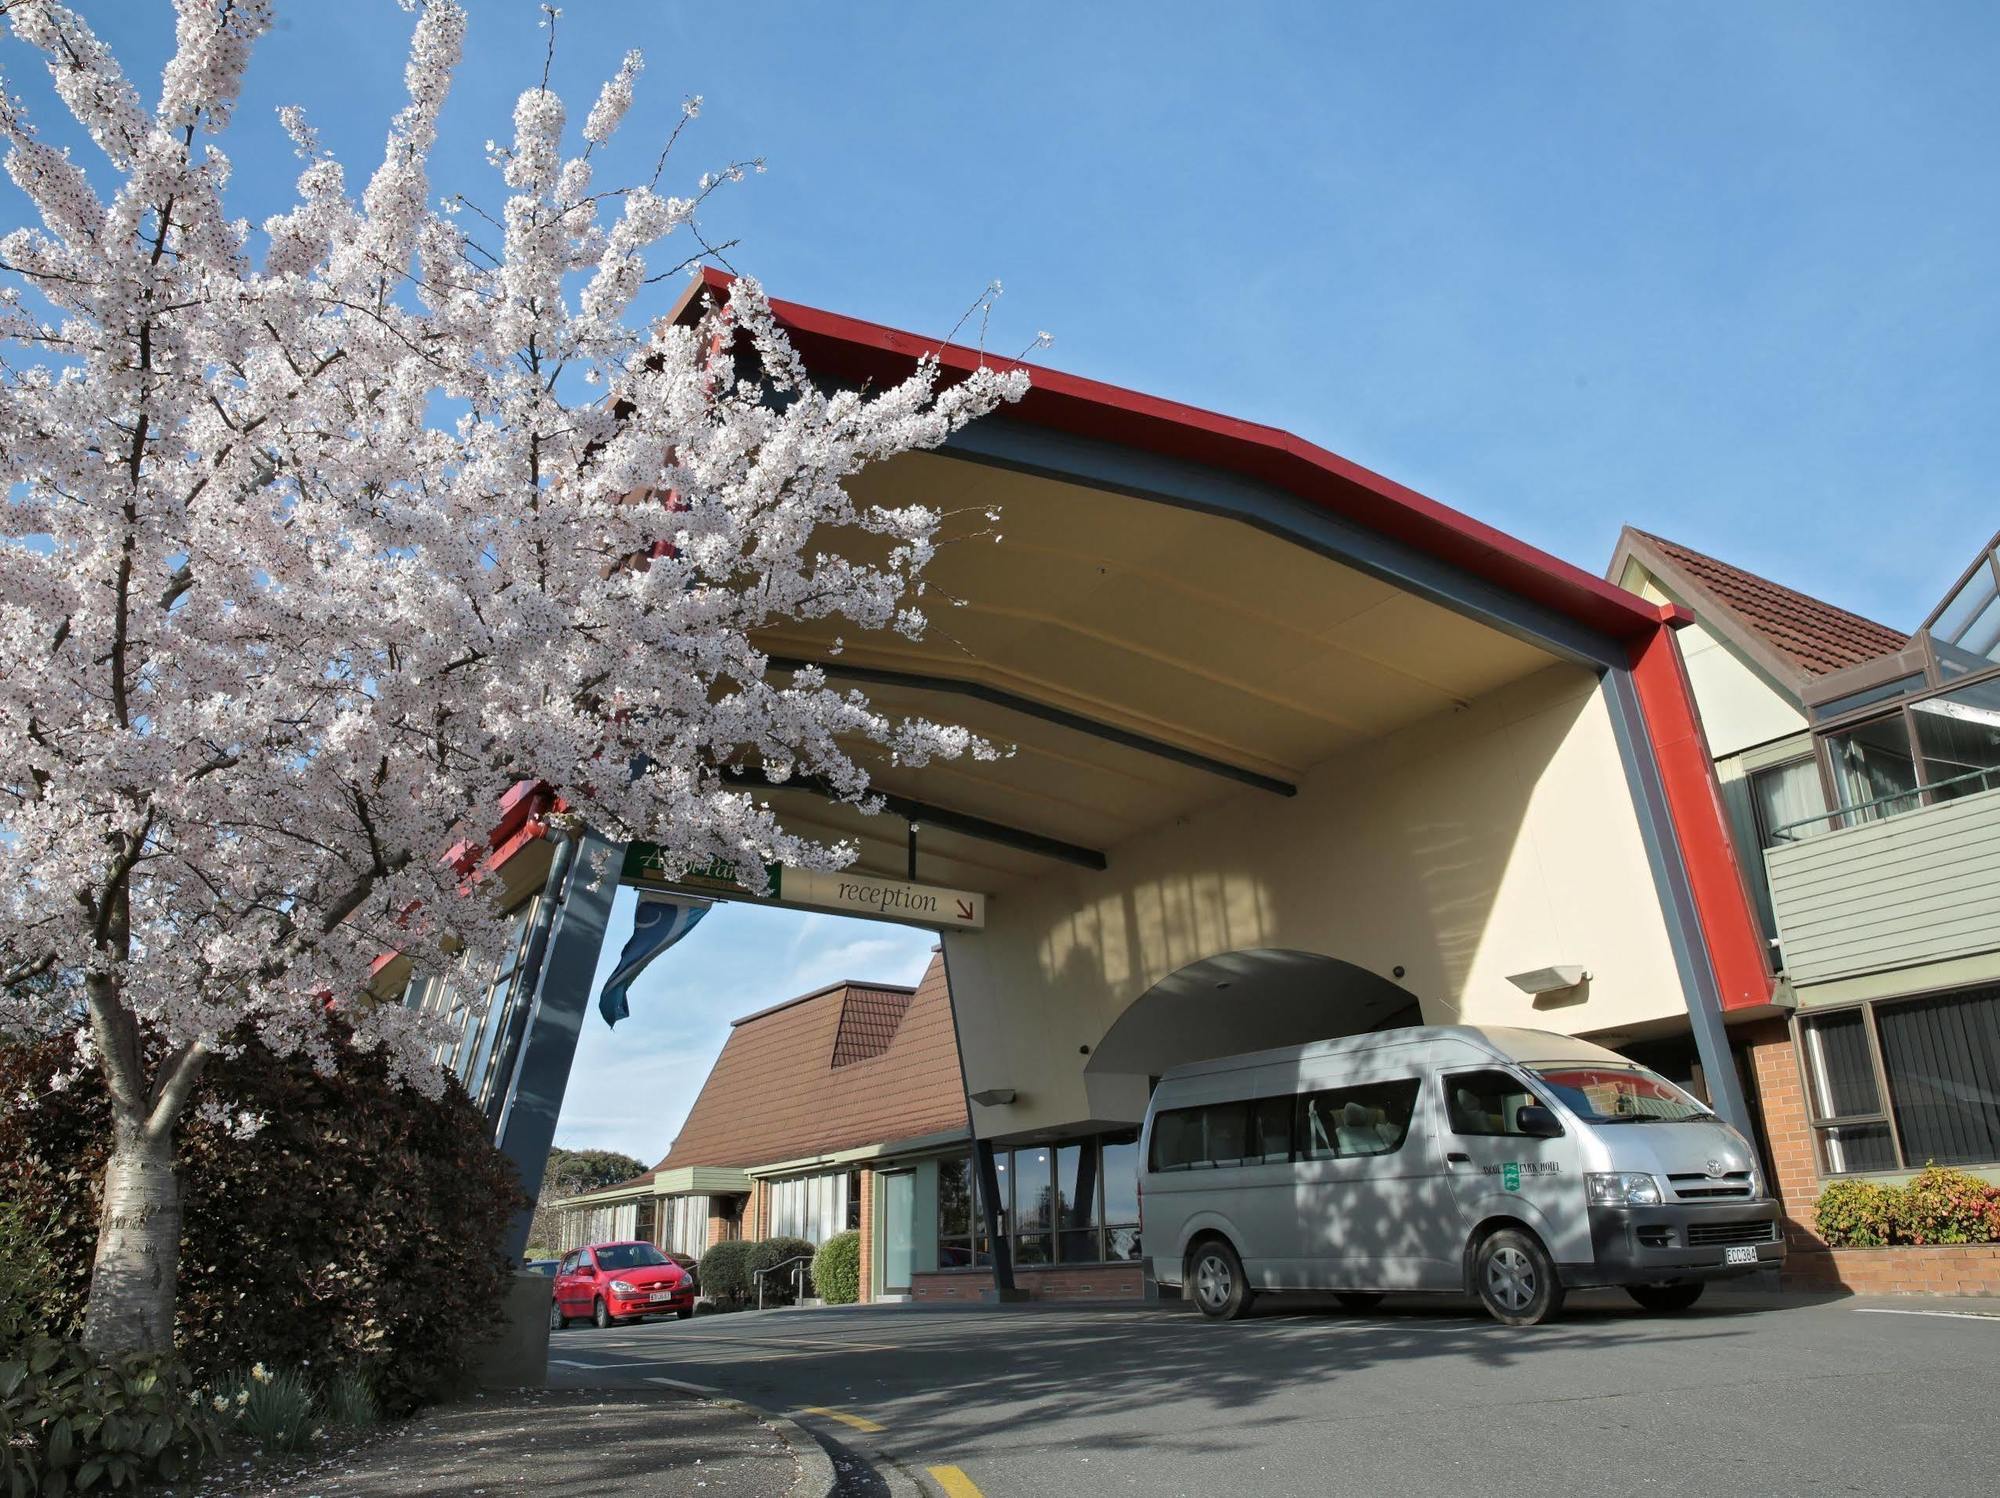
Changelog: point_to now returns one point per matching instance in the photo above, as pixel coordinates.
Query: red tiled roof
(1815, 635)
(830, 1071)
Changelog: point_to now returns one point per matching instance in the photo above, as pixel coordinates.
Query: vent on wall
(869, 1020)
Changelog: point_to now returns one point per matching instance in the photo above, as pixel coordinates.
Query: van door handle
(1458, 1157)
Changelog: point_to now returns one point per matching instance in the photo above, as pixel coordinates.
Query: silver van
(1513, 1164)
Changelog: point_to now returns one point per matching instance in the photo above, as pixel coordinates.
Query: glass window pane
(955, 1197)
(1034, 1186)
(1838, 1066)
(1942, 1057)
(1370, 1120)
(1178, 1138)
(1121, 1180)
(1121, 1244)
(1486, 1102)
(1958, 735)
(1873, 769)
(1852, 1147)
(1032, 1248)
(1966, 604)
(1982, 636)
(1787, 799)
(1077, 1246)
(1271, 1129)
(1076, 1185)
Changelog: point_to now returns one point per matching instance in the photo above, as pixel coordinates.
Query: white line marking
(1954, 1315)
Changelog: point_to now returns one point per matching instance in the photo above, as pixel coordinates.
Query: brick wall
(1967, 1269)
(867, 1189)
(1973, 1269)
(721, 1222)
(1055, 1282)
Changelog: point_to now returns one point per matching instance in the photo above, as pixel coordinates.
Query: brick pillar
(867, 1189)
(718, 1221)
(758, 1214)
(1781, 1100)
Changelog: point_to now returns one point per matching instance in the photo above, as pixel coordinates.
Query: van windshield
(1619, 1094)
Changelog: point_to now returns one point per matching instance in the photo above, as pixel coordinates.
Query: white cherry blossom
(322, 537)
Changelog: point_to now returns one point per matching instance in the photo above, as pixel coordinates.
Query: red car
(619, 1281)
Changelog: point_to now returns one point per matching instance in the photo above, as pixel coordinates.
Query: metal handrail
(1783, 833)
(798, 1261)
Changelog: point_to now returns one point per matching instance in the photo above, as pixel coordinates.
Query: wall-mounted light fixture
(1550, 979)
(994, 1097)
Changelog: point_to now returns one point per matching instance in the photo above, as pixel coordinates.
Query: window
(1487, 1102)
(1072, 1202)
(810, 1207)
(1619, 1094)
(1900, 1084)
(683, 1225)
(1351, 1121)
(1942, 1058)
(1257, 1132)
(1119, 1172)
(1034, 1192)
(629, 1256)
(1958, 736)
(1874, 772)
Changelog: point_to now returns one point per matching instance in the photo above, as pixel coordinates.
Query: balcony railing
(1906, 889)
(1906, 801)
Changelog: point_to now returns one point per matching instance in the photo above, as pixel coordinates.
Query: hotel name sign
(845, 891)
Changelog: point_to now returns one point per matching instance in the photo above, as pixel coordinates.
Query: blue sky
(1721, 270)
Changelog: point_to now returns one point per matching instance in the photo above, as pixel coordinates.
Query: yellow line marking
(845, 1419)
(955, 1483)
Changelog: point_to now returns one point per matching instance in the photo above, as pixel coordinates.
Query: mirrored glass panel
(1958, 735)
(1874, 772)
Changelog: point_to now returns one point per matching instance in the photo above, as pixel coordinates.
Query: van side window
(1349, 1121)
(1246, 1133)
(1487, 1102)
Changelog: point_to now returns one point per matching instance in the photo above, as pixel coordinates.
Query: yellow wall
(1480, 842)
(1739, 707)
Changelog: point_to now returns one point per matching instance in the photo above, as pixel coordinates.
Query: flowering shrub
(1949, 1206)
(836, 1269)
(316, 1236)
(1939, 1206)
(1856, 1214)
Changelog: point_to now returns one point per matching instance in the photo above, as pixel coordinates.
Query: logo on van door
(1511, 1171)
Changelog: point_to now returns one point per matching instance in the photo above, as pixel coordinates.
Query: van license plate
(1743, 1255)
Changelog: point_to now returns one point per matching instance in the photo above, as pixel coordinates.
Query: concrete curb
(813, 1461)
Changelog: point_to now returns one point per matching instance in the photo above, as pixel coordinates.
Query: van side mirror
(1537, 1122)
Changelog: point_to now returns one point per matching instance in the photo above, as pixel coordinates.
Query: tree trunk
(135, 1275)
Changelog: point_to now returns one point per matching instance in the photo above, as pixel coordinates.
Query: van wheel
(1675, 1295)
(1516, 1279)
(1359, 1300)
(1215, 1276)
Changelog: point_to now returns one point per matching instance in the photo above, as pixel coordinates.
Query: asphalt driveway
(1743, 1396)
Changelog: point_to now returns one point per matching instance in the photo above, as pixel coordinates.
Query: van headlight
(1612, 1189)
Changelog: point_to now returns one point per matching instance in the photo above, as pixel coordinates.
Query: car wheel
(1674, 1295)
(1359, 1300)
(557, 1321)
(1516, 1279)
(1215, 1276)
(600, 1314)
(684, 1313)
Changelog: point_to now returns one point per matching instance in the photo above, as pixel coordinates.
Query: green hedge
(360, 1228)
(837, 1269)
(1939, 1206)
(768, 1255)
(725, 1270)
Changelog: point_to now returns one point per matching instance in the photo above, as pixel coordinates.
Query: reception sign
(845, 891)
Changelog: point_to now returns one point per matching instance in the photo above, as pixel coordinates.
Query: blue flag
(656, 925)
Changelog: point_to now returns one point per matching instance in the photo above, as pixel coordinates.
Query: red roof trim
(850, 348)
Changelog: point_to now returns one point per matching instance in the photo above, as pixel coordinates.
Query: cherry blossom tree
(322, 535)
